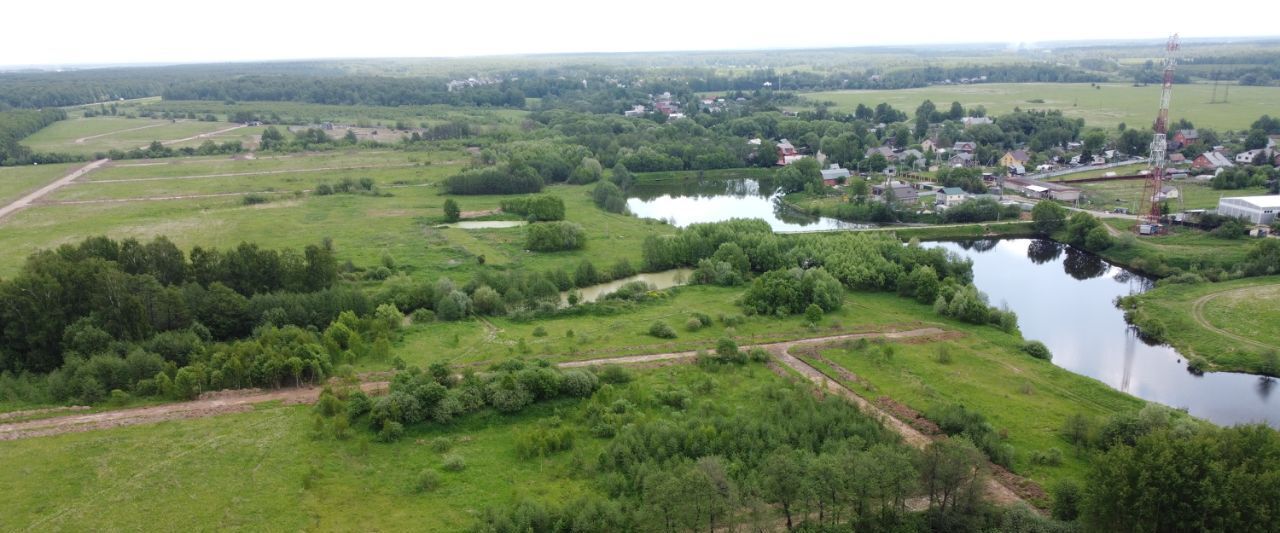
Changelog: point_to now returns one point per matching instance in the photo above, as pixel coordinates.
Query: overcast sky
(52, 32)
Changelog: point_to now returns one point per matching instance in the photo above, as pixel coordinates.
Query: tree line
(19, 123)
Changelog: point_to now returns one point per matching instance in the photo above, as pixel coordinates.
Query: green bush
(1037, 350)
(555, 236)
(428, 480)
(536, 208)
(453, 463)
(662, 331)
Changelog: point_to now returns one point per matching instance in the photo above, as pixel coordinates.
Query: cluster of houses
(1219, 157)
(666, 104)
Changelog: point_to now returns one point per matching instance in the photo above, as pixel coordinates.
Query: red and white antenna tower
(1148, 207)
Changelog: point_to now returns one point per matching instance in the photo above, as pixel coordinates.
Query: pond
(692, 202)
(485, 224)
(659, 280)
(1064, 298)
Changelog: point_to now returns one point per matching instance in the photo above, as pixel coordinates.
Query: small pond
(659, 280)
(691, 202)
(484, 224)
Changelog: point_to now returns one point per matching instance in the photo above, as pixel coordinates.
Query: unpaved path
(109, 133)
(231, 402)
(1197, 312)
(200, 136)
(27, 200)
(258, 173)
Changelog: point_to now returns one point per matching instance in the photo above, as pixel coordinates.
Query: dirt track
(200, 136)
(1197, 312)
(100, 135)
(27, 200)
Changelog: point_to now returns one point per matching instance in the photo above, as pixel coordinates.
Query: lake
(1064, 298)
(691, 202)
(658, 280)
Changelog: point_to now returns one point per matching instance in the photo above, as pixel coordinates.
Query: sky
(165, 31)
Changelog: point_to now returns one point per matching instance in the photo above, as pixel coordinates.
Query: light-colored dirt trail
(241, 174)
(200, 136)
(109, 133)
(27, 200)
(1197, 312)
(227, 402)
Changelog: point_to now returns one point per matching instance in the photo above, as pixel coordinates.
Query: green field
(264, 470)
(1231, 324)
(15, 182)
(1105, 107)
(1106, 195)
(86, 136)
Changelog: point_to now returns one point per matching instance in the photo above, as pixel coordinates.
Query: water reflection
(690, 202)
(1069, 307)
(1083, 265)
(1042, 251)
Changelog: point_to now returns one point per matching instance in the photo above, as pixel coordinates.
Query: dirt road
(100, 135)
(228, 402)
(27, 200)
(200, 136)
(1197, 312)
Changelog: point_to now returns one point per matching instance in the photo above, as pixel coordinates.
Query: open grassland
(1107, 195)
(98, 134)
(205, 166)
(1233, 324)
(265, 470)
(15, 182)
(587, 336)
(985, 370)
(1127, 170)
(1184, 248)
(1105, 107)
(304, 113)
(362, 227)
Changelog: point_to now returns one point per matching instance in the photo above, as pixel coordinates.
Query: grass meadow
(268, 470)
(1245, 308)
(1104, 107)
(88, 136)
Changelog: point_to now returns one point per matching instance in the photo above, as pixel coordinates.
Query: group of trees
(536, 208)
(1244, 177)
(132, 291)
(555, 236)
(507, 179)
(19, 123)
(343, 90)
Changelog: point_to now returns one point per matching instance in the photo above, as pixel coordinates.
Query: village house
(1042, 189)
(1211, 161)
(967, 147)
(976, 121)
(885, 151)
(787, 153)
(962, 159)
(902, 193)
(1185, 137)
(951, 196)
(929, 145)
(1246, 157)
(1177, 158)
(1015, 158)
(1167, 192)
(834, 175)
(635, 111)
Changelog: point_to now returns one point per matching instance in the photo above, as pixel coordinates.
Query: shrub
(1066, 500)
(758, 355)
(452, 213)
(391, 431)
(1037, 350)
(428, 480)
(693, 324)
(614, 374)
(727, 350)
(662, 331)
(578, 384)
(942, 354)
(254, 199)
(555, 236)
(1050, 457)
(453, 463)
(539, 331)
(537, 208)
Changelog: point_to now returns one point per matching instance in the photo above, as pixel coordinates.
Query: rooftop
(1270, 201)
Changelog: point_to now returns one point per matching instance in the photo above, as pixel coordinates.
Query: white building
(1256, 209)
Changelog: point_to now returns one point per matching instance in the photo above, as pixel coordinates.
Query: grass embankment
(985, 370)
(1182, 249)
(1231, 325)
(718, 174)
(264, 470)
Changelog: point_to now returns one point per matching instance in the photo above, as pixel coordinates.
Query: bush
(727, 350)
(452, 213)
(614, 374)
(578, 384)
(1050, 457)
(254, 199)
(758, 355)
(662, 331)
(453, 463)
(538, 208)
(693, 324)
(1066, 500)
(539, 331)
(391, 431)
(428, 480)
(1037, 350)
(555, 236)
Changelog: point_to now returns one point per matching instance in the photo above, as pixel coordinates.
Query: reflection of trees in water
(1042, 251)
(739, 188)
(979, 245)
(1136, 282)
(1265, 384)
(1083, 265)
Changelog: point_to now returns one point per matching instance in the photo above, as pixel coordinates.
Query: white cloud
(67, 32)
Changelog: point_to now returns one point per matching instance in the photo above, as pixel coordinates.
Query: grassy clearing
(15, 182)
(1188, 314)
(1106, 107)
(1126, 170)
(100, 134)
(263, 470)
(1184, 248)
(595, 336)
(1029, 398)
(198, 166)
(1126, 193)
